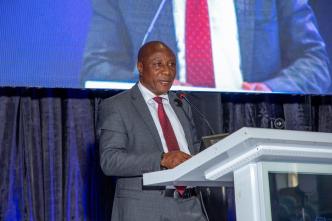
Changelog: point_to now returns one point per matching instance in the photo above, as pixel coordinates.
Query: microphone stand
(183, 96)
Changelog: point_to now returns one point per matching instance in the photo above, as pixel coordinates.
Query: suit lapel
(245, 12)
(180, 113)
(143, 110)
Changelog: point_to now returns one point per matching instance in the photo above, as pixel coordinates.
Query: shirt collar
(148, 95)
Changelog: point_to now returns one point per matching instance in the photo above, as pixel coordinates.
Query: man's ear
(140, 67)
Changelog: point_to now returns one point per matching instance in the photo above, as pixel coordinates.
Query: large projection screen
(278, 46)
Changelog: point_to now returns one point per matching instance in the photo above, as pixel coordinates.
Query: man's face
(157, 70)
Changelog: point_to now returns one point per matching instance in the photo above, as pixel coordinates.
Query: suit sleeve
(116, 157)
(305, 58)
(108, 53)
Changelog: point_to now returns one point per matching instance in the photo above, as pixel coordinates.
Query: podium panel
(255, 160)
(278, 191)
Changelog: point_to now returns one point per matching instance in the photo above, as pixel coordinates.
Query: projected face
(157, 68)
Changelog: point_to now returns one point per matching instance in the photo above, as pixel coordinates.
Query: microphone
(153, 22)
(182, 96)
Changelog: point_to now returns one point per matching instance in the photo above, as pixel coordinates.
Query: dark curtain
(48, 156)
(49, 165)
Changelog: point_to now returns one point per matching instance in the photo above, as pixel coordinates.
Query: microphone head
(180, 95)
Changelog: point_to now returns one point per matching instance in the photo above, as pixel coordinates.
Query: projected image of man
(229, 45)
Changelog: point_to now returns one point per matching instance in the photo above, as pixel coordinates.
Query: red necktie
(170, 138)
(199, 64)
(166, 126)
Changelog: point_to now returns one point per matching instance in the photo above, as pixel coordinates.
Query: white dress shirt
(224, 40)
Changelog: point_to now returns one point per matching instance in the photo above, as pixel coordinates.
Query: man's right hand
(255, 86)
(173, 158)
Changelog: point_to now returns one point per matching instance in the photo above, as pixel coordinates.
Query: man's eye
(157, 64)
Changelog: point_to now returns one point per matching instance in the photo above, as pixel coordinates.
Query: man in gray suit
(133, 141)
(280, 46)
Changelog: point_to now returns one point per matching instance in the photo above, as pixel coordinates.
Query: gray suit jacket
(279, 42)
(130, 144)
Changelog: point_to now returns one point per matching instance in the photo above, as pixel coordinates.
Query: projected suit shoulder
(279, 42)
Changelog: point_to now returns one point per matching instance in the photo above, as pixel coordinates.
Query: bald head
(156, 64)
(151, 47)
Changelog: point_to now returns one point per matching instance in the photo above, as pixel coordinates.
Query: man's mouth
(165, 82)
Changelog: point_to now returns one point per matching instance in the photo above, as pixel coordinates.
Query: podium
(251, 159)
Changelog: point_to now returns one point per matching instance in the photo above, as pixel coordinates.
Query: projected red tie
(199, 64)
(170, 138)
